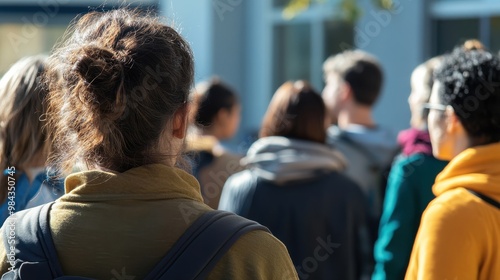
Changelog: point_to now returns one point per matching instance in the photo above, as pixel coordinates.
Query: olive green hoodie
(119, 225)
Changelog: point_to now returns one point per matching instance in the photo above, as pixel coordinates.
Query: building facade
(252, 46)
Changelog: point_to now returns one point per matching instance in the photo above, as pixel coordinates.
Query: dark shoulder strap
(485, 198)
(203, 244)
(34, 244)
(193, 256)
(46, 241)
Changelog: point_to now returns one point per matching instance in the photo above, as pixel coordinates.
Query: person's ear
(222, 116)
(179, 125)
(453, 124)
(346, 92)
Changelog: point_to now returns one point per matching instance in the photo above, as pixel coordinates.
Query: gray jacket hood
(380, 142)
(281, 159)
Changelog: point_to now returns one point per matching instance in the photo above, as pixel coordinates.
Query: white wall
(194, 19)
(397, 38)
(227, 40)
(232, 38)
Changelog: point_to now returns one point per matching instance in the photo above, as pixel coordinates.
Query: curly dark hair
(471, 85)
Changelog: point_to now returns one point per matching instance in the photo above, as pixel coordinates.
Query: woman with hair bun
(24, 141)
(118, 110)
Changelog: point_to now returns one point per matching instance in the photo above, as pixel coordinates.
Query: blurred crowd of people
(132, 156)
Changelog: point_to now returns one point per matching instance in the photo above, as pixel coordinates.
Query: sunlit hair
(473, 44)
(296, 111)
(115, 85)
(22, 108)
(425, 72)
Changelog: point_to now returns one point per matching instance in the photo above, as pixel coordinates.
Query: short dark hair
(209, 98)
(296, 111)
(361, 70)
(471, 85)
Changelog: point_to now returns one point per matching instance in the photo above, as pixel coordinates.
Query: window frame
(315, 16)
(483, 10)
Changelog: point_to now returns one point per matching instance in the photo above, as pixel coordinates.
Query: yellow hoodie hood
(458, 233)
(476, 169)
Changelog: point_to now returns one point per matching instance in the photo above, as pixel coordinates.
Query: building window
(33, 27)
(301, 44)
(451, 32)
(292, 52)
(280, 3)
(495, 33)
(457, 21)
(22, 40)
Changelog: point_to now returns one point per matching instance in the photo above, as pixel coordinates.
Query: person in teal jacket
(409, 186)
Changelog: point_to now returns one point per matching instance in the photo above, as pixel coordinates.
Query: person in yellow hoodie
(458, 238)
(118, 107)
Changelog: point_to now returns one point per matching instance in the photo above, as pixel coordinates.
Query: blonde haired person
(409, 186)
(24, 144)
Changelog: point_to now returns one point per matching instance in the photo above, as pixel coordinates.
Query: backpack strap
(485, 198)
(193, 256)
(203, 244)
(34, 244)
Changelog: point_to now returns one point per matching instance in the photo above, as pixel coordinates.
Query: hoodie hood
(475, 168)
(379, 141)
(281, 159)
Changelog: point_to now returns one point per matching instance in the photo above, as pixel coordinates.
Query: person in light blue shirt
(24, 141)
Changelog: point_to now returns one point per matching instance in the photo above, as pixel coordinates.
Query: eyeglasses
(434, 106)
(426, 107)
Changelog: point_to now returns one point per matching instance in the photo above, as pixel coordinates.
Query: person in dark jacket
(294, 186)
(409, 187)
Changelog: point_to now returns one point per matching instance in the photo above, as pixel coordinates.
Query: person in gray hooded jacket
(354, 81)
(294, 186)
